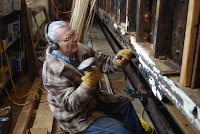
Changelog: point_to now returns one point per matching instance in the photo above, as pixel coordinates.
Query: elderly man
(75, 98)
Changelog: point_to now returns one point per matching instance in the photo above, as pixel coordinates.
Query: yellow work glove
(125, 55)
(92, 76)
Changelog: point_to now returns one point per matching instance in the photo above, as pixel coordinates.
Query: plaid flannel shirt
(71, 100)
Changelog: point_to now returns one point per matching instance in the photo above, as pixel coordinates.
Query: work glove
(123, 57)
(92, 76)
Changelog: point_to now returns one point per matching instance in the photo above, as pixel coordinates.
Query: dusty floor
(22, 85)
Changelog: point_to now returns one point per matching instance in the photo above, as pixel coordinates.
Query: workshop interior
(161, 79)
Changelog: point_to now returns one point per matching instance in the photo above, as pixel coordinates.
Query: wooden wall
(162, 24)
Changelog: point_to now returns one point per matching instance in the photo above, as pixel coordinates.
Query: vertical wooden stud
(109, 7)
(112, 8)
(190, 42)
(131, 15)
(196, 68)
(143, 27)
(121, 11)
(163, 28)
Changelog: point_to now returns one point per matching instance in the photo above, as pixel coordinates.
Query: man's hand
(92, 76)
(125, 55)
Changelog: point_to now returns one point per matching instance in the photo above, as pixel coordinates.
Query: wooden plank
(180, 119)
(44, 117)
(170, 73)
(131, 15)
(28, 41)
(190, 42)
(38, 131)
(5, 13)
(25, 115)
(163, 28)
(143, 27)
(118, 89)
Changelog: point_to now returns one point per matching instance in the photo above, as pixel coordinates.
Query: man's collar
(59, 55)
(56, 64)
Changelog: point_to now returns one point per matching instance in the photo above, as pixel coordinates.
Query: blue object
(127, 90)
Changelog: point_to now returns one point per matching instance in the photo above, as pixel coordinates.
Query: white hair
(52, 34)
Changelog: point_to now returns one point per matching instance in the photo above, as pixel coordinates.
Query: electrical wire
(58, 9)
(29, 92)
(146, 125)
(53, 5)
(139, 87)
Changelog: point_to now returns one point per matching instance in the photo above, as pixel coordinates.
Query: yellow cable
(9, 69)
(13, 82)
(139, 87)
(146, 125)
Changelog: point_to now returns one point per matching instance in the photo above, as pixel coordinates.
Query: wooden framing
(143, 27)
(114, 9)
(190, 42)
(108, 7)
(168, 35)
(163, 28)
(121, 11)
(178, 31)
(131, 15)
(196, 68)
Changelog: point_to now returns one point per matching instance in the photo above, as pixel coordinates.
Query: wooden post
(104, 5)
(115, 9)
(190, 42)
(28, 41)
(109, 7)
(196, 72)
(143, 27)
(163, 28)
(131, 15)
(112, 8)
(121, 11)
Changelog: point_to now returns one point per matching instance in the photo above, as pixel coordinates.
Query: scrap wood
(25, 115)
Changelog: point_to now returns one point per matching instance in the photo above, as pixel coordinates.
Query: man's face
(67, 41)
